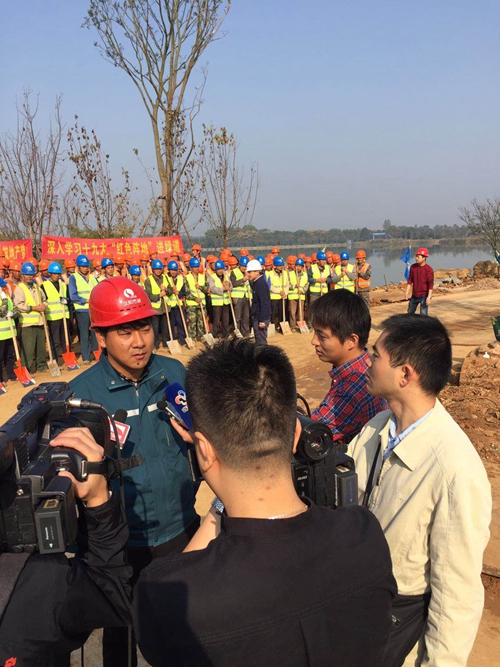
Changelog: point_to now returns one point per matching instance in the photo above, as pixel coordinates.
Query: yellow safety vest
(84, 288)
(5, 332)
(277, 281)
(30, 319)
(55, 309)
(219, 299)
(155, 289)
(194, 286)
(238, 292)
(319, 288)
(293, 293)
(172, 300)
(345, 282)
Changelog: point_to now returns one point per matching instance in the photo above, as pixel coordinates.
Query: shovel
(189, 341)
(303, 328)
(22, 373)
(208, 337)
(54, 369)
(68, 356)
(173, 345)
(97, 353)
(237, 332)
(284, 326)
(3, 388)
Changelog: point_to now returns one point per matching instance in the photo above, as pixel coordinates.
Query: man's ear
(205, 452)
(101, 339)
(296, 437)
(408, 375)
(352, 341)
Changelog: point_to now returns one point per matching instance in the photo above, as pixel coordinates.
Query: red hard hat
(117, 301)
(422, 251)
(361, 254)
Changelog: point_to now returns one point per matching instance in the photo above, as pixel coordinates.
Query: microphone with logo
(176, 407)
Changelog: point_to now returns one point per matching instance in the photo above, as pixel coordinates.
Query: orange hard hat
(329, 253)
(275, 249)
(6, 262)
(32, 260)
(108, 255)
(69, 264)
(233, 261)
(422, 251)
(96, 264)
(250, 257)
(186, 257)
(127, 258)
(44, 264)
(361, 254)
(269, 259)
(308, 259)
(144, 258)
(174, 254)
(196, 246)
(302, 256)
(117, 301)
(291, 259)
(120, 259)
(15, 266)
(211, 258)
(313, 257)
(336, 258)
(243, 252)
(153, 252)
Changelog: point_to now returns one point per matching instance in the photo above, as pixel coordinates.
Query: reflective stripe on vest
(5, 332)
(319, 288)
(32, 318)
(345, 282)
(179, 282)
(193, 285)
(155, 289)
(238, 292)
(55, 309)
(277, 280)
(84, 288)
(219, 299)
(293, 292)
(364, 283)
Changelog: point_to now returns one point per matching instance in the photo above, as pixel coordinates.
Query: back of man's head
(243, 398)
(423, 343)
(344, 313)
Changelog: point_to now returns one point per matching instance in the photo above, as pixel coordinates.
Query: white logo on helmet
(129, 293)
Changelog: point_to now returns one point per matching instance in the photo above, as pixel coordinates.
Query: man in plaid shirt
(341, 323)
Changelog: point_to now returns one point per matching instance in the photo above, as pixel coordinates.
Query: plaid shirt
(348, 406)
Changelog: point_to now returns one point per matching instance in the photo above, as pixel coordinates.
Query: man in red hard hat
(159, 494)
(420, 283)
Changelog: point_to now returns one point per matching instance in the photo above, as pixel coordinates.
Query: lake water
(388, 261)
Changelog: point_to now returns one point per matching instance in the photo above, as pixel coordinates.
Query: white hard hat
(254, 265)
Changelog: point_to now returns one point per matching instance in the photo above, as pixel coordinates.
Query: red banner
(18, 251)
(61, 247)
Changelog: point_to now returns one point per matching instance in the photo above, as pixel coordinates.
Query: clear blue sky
(355, 111)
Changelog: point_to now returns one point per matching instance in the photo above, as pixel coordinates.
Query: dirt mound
(475, 403)
(486, 268)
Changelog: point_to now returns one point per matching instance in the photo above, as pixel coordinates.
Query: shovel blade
(97, 354)
(190, 343)
(303, 328)
(237, 333)
(271, 330)
(54, 369)
(174, 347)
(70, 361)
(23, 375)
(285, 328)
(209, 339)
(3, 388)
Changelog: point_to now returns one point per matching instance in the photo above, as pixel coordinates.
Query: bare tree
(158, 44)
(483, 220)
(30, 174)
(100, 207)
(229, 199)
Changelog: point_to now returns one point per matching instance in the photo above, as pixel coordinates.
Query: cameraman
(57, 602)
(275, 579)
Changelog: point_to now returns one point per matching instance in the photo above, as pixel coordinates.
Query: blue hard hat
(278, 261)
(344, 255)
(28, 269)
(261, 260)
(134, 270)
(82, 260)
(243, 260)
(157, 264)
(300, 262)
(173, 266)
(107, 261)
(219, 264)
(193, 263)
(54, 268)
(321, 256)
(2, 282)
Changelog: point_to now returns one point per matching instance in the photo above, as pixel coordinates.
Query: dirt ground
(472, 397)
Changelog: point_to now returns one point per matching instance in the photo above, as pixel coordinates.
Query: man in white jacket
(421, 476)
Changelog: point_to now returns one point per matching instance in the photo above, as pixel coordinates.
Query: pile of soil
(475, 403)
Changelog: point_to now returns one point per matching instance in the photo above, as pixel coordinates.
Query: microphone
(175, 395)
(120, 415)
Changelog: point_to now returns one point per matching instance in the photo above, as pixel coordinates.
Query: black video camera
(38, 507)
(321, 472)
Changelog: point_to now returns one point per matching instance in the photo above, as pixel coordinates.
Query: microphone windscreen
(120, 416)
(175, 394)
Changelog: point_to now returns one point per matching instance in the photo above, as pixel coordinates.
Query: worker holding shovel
(196, 288)
(175, 294)
(31, 304)
(297, 294)
(56, 293)
(7, 309)
(279, 289)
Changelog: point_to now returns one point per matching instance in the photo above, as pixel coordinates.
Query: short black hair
(423, 343)
(344, 313)
(243, 398)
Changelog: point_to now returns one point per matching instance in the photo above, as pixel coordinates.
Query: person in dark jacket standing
(420, 283)
(261, 301)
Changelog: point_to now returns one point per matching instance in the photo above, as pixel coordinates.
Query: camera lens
(315, 440)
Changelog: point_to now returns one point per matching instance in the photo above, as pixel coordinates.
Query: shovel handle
(203, 316)
(14, 339)
(179, 304)
(168, 318)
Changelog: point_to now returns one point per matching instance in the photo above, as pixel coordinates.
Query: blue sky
(355, 111)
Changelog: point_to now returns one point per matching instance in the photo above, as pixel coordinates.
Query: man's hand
(40, 308)
(428, 301)
(95, 490)
(262, 325)
(186, 435)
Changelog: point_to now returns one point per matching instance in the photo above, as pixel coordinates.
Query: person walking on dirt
(420, 283)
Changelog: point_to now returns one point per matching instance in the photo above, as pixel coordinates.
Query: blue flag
(406, 258)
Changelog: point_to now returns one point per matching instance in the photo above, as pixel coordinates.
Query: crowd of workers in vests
(190, 294)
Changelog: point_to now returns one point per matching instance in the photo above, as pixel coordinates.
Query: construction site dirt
(472, 397)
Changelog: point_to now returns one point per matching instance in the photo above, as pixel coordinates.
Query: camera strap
(112, 468)
(11, 566)
(369, 485)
